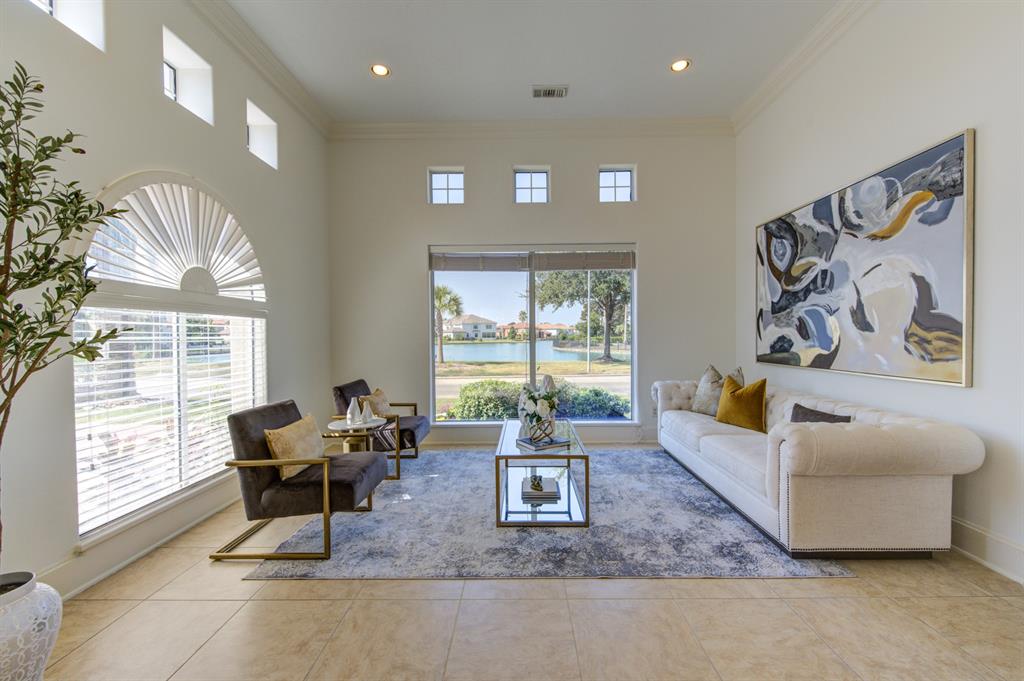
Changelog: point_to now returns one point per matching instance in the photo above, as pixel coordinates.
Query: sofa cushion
(709, 390)
(741, 456)
(689, 427)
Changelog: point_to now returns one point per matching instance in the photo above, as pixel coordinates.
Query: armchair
(328, 485)
(411, 429)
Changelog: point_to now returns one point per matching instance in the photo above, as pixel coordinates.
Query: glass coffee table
(568, 466)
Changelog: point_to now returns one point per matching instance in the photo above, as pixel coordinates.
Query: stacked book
(552, 443)
(547, 495)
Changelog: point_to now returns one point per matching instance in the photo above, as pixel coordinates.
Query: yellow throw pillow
(743, 406)
(299, 440)
(378, 402)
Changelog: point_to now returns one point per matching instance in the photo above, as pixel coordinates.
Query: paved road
(448, 388)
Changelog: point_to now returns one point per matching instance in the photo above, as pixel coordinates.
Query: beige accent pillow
(378, 402)
(299, 440)
(709, 390)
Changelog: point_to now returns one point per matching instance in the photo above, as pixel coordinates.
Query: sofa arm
(836, 449)
(672, 395)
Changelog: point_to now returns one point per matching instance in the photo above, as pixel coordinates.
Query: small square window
(45, 5)
(615, 185)
(170, 81)
(447, 187)
(531, 186)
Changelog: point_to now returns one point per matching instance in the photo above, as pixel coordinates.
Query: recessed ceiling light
(680, 65)
(380, 70)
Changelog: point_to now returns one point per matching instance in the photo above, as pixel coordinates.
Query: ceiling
(460, 60)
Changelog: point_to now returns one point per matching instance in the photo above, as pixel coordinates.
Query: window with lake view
(500, 320)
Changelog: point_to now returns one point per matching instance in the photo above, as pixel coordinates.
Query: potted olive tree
(42, 286)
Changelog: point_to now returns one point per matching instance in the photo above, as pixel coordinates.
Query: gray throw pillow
(709, 390)
(802, 414)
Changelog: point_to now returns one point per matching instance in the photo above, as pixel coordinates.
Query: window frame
(47, 6)
(617, 168)
(168, 68)
(531, 171)
(448, 171)
(634, 418)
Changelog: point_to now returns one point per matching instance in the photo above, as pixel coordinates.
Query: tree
(523, 317)
(446, 302)
(610, 293)
(42, 285)
(513, 334)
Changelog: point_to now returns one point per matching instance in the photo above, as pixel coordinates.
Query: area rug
(649, 518)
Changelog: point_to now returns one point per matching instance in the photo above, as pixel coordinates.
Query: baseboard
(994, 551)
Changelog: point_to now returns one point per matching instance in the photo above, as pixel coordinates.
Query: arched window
(179, 274)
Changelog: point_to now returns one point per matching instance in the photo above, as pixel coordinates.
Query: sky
(494, 295)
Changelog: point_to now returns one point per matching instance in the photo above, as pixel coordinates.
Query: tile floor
(175, 615)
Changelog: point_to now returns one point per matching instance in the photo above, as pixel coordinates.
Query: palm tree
(446, 302)
(523, 316)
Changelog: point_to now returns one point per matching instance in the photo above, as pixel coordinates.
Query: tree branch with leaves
(43, 284)
(446, 302)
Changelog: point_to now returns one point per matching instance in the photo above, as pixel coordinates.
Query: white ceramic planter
(29, 622)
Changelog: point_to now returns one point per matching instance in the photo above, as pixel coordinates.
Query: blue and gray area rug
(649, 518)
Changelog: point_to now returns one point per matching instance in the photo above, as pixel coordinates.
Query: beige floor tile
(909, 578)
(761, 639)
(212, 581)
(882, 641)
(149, 642)
(308, 589)
(619, 588)
(621, 639)
(515, 640)
(720, 588)
(266, 640)
(145, 576)
(389, 639)
(82, 620)
(445, 589)
(546, 589)
(823, 587)
(979, 575)
(212, 533)
(988, 629)
(276, 532)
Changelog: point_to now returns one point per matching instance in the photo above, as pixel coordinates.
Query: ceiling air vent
(550, 91)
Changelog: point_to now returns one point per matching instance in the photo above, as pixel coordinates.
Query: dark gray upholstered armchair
(328, 485)
(412, 429)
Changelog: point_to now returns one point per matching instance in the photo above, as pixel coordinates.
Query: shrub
(488, 400)
(493, 400)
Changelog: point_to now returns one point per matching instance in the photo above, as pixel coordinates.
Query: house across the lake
(469, 326)
(544, 330)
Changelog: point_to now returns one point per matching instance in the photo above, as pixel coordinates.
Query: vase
(29, 622)
(353, 415)
(539, 431)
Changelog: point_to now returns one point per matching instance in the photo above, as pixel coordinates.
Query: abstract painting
(876, 277)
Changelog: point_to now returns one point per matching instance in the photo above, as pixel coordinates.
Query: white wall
(905, 76)
(115, 98)
(381, 226)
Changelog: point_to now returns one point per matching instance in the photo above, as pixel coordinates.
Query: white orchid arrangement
(538, 405)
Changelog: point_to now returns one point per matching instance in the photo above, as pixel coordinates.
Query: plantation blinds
(151, 414)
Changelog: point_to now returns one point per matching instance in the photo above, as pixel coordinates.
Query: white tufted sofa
(882, 483)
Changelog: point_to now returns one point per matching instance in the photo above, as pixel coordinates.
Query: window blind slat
(151, 413)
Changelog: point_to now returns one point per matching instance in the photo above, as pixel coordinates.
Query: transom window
(447, 186)
(45, 5)
(170, 81)
(615, 185)
(531, 186)
(181, 280)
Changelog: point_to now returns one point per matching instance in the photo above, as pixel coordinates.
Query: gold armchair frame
(226, 552)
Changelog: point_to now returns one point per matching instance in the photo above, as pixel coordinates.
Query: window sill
(116, 527)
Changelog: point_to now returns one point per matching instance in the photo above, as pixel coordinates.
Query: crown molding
(225, 20)
(538, 129)
(832, 26)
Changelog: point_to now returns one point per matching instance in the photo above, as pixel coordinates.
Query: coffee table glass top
(568, 466)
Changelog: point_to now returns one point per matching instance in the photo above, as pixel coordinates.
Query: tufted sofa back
(779, 407)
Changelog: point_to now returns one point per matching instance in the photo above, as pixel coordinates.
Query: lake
(514, 352)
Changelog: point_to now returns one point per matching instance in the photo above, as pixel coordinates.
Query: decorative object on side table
(537, 407)
(876, 277)
(42, 287)
(353, 415)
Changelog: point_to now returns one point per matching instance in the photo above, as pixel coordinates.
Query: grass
(576, 368)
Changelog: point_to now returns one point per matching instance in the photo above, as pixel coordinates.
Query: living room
(314, 194)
